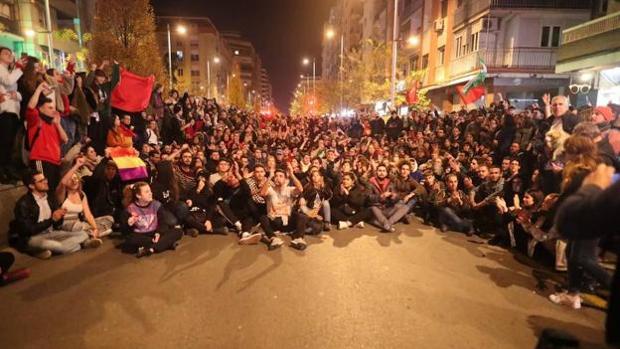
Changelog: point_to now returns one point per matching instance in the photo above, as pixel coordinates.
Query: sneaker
(14, 275)
(249, 239)
(327, 226)
(45, 254)
(343, 225)
(388, 229)
(299, 244)
(238, 225)
(92, 243)
(563, 298)
(144, 252)
(360, 225)
(193, 232)
(275, 243)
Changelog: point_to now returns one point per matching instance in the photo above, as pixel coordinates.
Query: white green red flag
(474, 89)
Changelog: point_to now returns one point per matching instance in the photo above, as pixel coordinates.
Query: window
(179, 72)
(179, 44)
(555, 37)
(425, 61)
(194, 57)
(195, 72)
(413, 63)
(444, 8)
(550, 36)
(459, 49)
(6, 11)
(441, 52)
(474, 42)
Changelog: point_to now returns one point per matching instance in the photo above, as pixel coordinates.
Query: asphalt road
(416, 288)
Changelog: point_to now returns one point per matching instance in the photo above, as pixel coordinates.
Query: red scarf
(381, 185)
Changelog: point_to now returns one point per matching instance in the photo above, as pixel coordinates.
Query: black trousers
(296, 224)
(167, 238)
(339, 215)
(51, 172)
(9, 124)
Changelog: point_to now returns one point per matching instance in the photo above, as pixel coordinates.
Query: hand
(546, 98)
(58, 214)
(517, 201)
(189, 202)
(156, 238)
(601, 177)
(12, 94)
(95, 233)
(79, 162)
(107, 153)
(20, 63)
(133, 219)
(93, 67)
(44, 87)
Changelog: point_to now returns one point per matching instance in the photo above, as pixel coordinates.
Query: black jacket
(357, 199)
(26, 222)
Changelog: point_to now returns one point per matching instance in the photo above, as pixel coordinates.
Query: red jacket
(46, 147)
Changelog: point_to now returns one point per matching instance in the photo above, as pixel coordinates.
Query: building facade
(518, 41)
(201, 59)
(590, 55)
(250, 65)
(24, 27)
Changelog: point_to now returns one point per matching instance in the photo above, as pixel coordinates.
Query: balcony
(471, 8)
(518, 59)
(592, 28)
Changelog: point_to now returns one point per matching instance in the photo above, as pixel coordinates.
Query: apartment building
(590, 54)
(346, 23)
(245, 55)
(24, 28)
(266, 90)
(201, 58)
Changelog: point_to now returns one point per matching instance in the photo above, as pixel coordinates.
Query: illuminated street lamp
(181, 30)
(413, 41)
(330, 34)
(306, 61)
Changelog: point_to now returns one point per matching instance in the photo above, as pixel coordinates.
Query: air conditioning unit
(490, 24)
(439, 25)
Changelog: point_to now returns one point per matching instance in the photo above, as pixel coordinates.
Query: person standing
(10, 100)
(45, 135)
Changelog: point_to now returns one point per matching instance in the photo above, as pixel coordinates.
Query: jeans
(296, 223)
(389, 216)
(58, 241)
(582, 260)
(70, 127)
(448, 217)
(327, 212)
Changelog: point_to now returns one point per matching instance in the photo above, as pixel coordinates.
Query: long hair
(167, 179)
(31, 78)
(131, 192)
(582, 158)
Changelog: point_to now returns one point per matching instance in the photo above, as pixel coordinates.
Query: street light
(216, 60)
(329, 34)
(181, 30)
(413, 41)
(394, 54)
(306, 61)
(30, 33)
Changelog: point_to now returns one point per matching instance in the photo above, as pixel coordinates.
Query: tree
(125, 31)
(70, 35)
(236, 96)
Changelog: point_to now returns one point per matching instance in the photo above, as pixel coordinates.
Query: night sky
(282, 31)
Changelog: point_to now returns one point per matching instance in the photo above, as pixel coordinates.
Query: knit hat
(607, 113)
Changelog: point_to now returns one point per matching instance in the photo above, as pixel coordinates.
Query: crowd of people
(496, 171)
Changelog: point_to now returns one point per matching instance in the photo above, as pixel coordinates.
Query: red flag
(412, 95)
(473, 95)
(133, 92)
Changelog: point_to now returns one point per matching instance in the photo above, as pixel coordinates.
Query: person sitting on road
(350, 203)
(38, 222)
(141, 223)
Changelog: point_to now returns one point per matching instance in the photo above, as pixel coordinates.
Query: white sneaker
(249, 239)
(238, 225)
(360, 225)
(563, 298)
(299, 244)
(342, 225)
(275, 243)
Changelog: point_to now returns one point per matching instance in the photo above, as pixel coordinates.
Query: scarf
(380, 185)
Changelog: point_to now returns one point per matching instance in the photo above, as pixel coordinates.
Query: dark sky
(282, 31)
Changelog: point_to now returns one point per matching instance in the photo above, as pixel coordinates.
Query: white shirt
(152, 137)
(8, 83)
(45, 212)
(280, 203)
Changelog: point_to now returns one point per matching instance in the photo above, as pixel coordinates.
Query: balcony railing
(592, 28)
(470, 8)
(526, 59)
